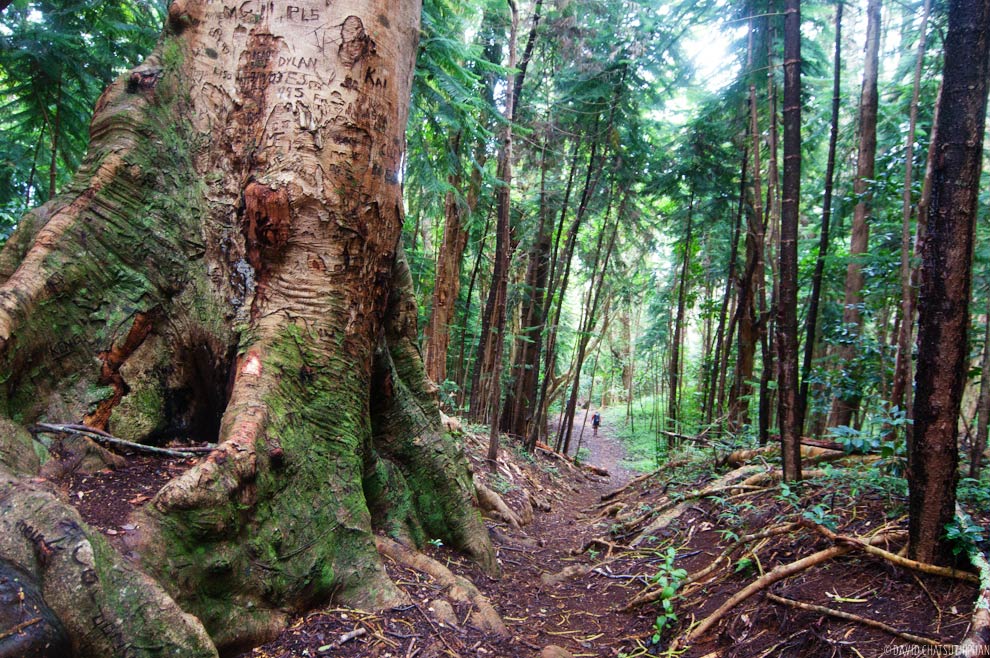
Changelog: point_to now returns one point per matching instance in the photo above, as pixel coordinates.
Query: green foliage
(964, 534)
(668, 579)
(56, 57)
(883, 433)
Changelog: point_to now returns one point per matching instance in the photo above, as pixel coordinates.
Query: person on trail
(596, 420)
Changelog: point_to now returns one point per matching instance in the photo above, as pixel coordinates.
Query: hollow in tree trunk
(227, 262)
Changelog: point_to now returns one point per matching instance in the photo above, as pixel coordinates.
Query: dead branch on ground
(839, 614)
(778, 573)
(113, 443)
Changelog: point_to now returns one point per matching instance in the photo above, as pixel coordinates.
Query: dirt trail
(605, 448)
(577, 610)
(576, 613)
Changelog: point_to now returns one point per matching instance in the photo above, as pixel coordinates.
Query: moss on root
(107, 606)
(295, 531)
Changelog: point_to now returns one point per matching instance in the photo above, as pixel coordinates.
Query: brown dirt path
(606, 450)
(577, 613)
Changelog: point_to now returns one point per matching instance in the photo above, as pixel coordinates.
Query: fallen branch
(607, 545)
(112, 442)
(347, 637)
(20, 627)
(917, 639)
(721, 484)
(459, 588)
(779, 573)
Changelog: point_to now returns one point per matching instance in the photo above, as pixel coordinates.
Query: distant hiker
(596, 420)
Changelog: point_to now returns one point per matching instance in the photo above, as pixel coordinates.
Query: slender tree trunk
(811, 327)
(521, 398)
(789, 417)
(675, 345)
(500, 283)
(846, 401)
(56, 129)
(716, 386)
(462, 369)
(599, 270)
(771, 228)
(436, 334)
(979, 446)
(902, 366)
(560, 274)
(752, 282)
(28, 188)
(943, 303)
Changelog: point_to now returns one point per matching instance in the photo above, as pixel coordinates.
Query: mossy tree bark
(227, 263)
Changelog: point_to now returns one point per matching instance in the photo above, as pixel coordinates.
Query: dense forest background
(594, 203)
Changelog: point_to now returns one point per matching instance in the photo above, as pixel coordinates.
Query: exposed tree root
(493, 503)
(916, 639)
(567, 573)
(651, 595)
(459, 588)
(612, 510)
(779, 573)
(893, 558)
(103, 601)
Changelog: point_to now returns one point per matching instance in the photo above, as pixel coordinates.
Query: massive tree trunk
(227, 262)
(846, 401)
(943, 304)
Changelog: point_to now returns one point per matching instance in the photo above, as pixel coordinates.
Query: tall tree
(228, 256)
(846, 401)
(674, 371)
(788, 409)
(811, 328)
(900, 395)
(752, 280)
(500, 277)
(943, 304)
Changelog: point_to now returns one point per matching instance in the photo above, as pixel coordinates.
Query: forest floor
(571, 568)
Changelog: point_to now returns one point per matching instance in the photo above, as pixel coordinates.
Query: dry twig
(848, 616)
(778, 573)
(113, 442)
